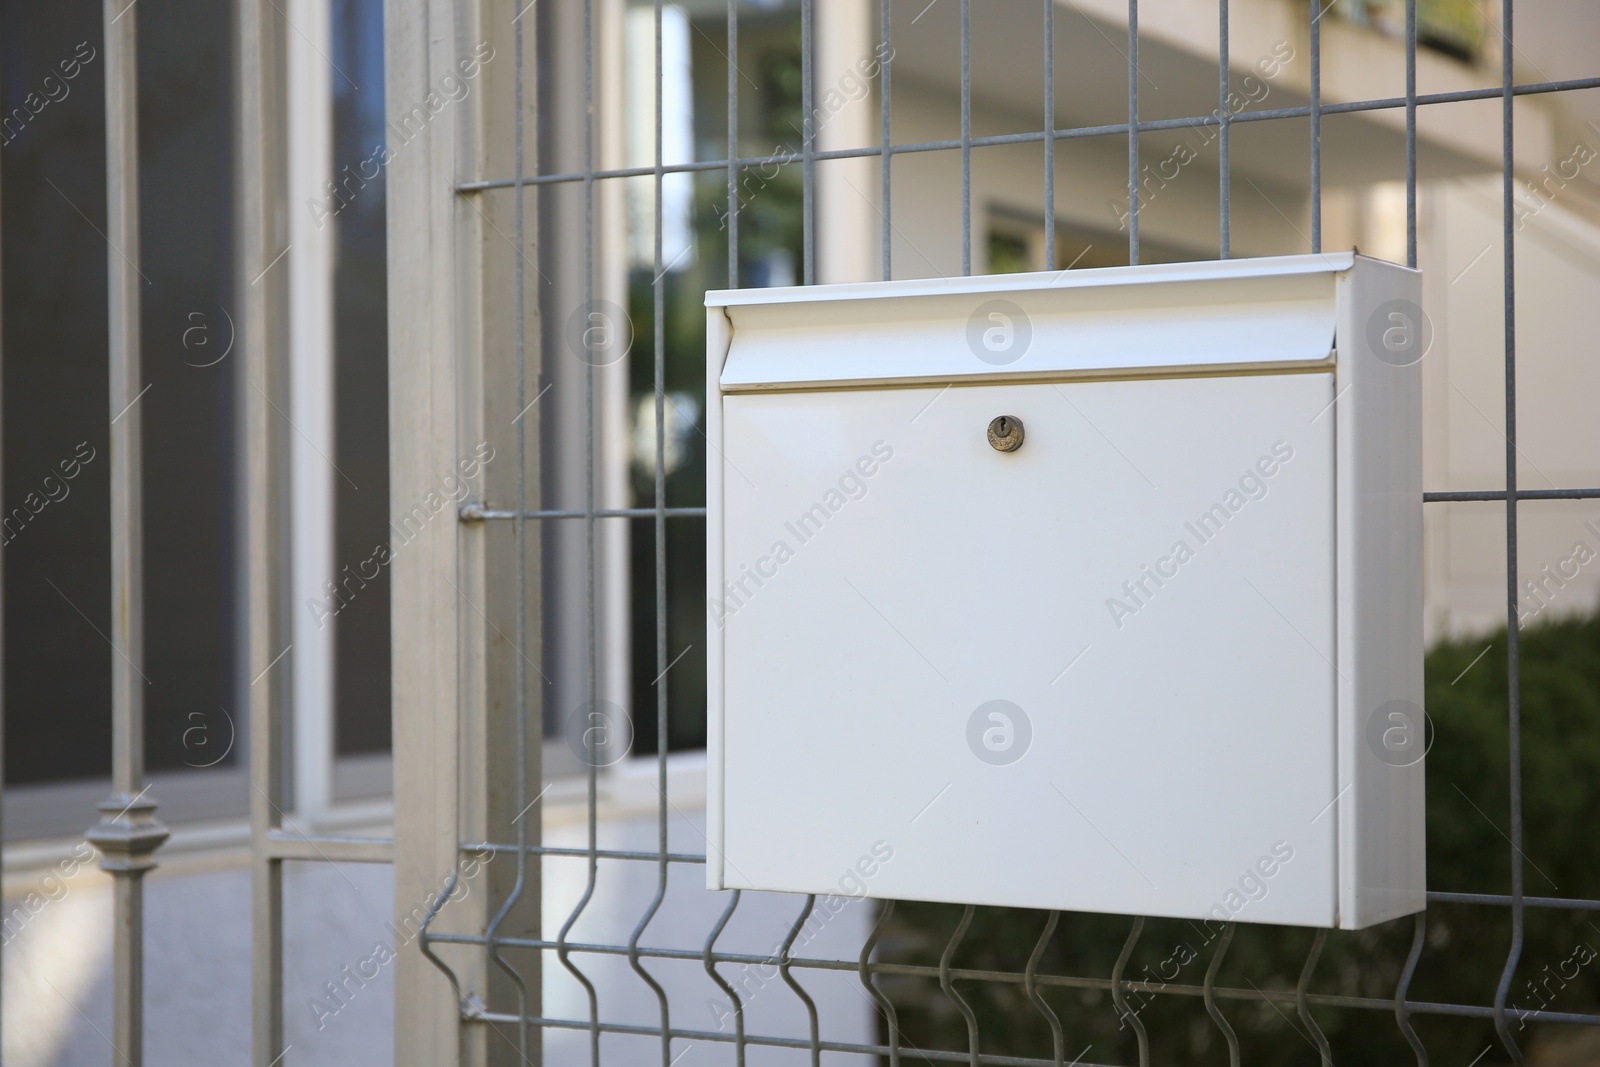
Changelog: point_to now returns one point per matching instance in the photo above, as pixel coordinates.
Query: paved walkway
(57, 992)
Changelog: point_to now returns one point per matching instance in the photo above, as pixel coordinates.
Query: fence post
(427, 686)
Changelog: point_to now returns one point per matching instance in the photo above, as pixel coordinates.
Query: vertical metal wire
(591, 689)
(663, 719)
(784, 961)
(1210, 994)
(1119, 996)
(883, 118)
(1402, 1015)
(519, 190)
(966, 137)
(1030, 977)
(1050, 142)
(424, 939)
(1224, 130)
(1316, 125)
(808, 147)
(658, 324)
(1302, 1000)
(1411, 133)
(563, 951)
(1513, 647)
(519, 211)
(708, 960)
(864, 970)
(1133, 131)
(950, 990)
(733, 143)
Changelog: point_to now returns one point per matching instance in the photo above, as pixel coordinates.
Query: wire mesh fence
(952, 984)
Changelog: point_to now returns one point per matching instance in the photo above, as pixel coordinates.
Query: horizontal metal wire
(478, 513)
(936, 1055)
(1557, 903)
(1476, 495)
(583, 853)
(1064, 981)
(772, 1042)
(912, 970)
(1575, 903)
(1114, 129)
(483, 513)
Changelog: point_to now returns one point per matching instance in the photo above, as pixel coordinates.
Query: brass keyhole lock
(1005, 433)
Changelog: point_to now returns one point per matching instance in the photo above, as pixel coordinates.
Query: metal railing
(128, 832)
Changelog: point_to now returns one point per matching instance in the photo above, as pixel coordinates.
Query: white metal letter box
(1096, 590)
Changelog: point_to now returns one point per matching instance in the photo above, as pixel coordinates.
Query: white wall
(1558, 434)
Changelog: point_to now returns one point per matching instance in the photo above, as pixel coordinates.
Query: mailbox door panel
(1094, 673)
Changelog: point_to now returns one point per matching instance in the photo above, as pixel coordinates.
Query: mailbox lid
(1274, 314)
(886, 573)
